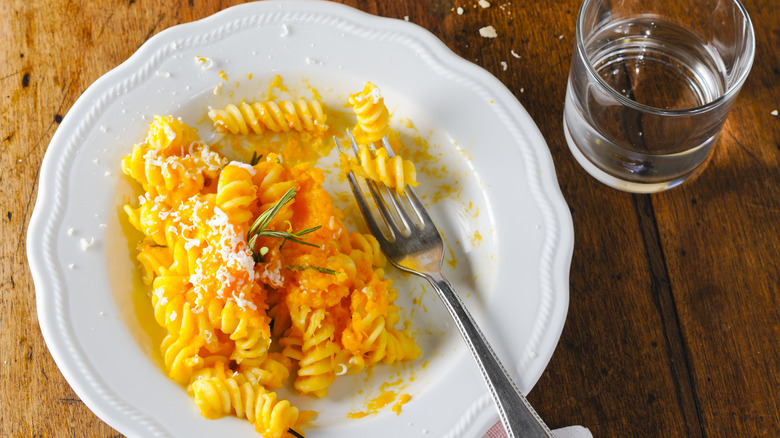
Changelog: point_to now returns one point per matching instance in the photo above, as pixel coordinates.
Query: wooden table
(674, 319)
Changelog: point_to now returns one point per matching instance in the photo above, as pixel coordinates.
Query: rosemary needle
(294, 433)
(312, 267)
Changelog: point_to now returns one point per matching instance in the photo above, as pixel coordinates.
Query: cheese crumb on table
(503, 65)
(774, 113)
(484, 3)
(460, 10)
(488, 32)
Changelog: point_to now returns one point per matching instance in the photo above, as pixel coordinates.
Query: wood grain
(674, 317)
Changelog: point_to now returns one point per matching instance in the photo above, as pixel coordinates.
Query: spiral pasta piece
(168, 299)
(272, 180)
(134, 165)
(367, 336)
(372, 114)
(370, 334)
(238, 396)
(236, 193)
(345, 267)
(370, 247)
(180, 357)
(316, 365)
(171, 242)
(348, 362)
(282, 116)
(177, 178)
(395, 172)
(186, 252)
(250, 335)
(147, 220)
(280, 317)
(215, 366)
(172, 162)
(271, 373)
(292, 345)
(155, 260)
(170, 136)
(400, 347)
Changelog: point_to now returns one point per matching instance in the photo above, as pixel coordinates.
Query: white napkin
(497, 431)
(572, 432)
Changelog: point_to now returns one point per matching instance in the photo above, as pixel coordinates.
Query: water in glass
(633, 129)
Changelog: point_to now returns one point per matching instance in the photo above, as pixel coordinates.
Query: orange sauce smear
(385, 398)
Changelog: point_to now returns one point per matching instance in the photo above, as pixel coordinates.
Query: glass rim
(731, 91)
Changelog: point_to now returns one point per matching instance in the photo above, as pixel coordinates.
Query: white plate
(503, 185)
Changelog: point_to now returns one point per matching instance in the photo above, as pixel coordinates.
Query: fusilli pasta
(372, 114)
(282, 116)
(218, 396)
(252, 272)
(394, 172)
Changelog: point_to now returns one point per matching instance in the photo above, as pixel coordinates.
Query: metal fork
(416, 246)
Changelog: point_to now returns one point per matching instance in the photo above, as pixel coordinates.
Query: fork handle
(516, 414)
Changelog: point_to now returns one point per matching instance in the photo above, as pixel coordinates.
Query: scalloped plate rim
(69, 128)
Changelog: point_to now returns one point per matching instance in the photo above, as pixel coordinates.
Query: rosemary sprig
(262, 221)
(316, 268)
(255, 158)
(258, 228)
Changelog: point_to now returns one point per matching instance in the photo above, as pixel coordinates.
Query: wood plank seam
(663, 297)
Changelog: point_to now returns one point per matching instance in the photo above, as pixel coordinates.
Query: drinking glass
(651, 84)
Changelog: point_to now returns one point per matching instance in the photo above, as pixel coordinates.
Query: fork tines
(397, 219)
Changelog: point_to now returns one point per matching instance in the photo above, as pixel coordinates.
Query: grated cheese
(242, 302)
(87, 243)
(488, 32)
(161, 299)
(244, 166)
